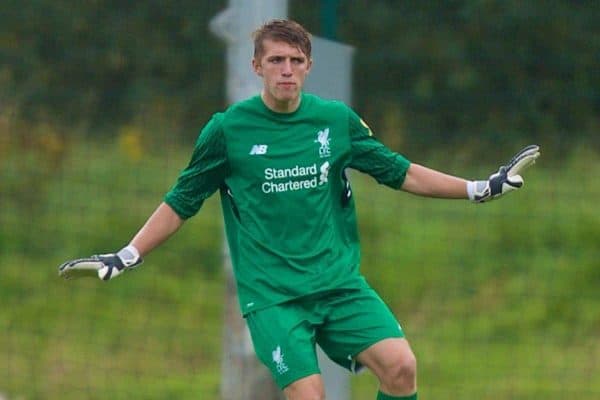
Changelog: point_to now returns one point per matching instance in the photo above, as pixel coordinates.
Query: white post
(243, 377)
(331, 78)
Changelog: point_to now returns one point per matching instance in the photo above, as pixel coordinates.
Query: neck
(285, 107)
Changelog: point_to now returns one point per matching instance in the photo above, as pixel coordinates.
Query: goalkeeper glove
(105, 266)
(506, 179)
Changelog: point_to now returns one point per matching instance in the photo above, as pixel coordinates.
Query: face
(283, 69)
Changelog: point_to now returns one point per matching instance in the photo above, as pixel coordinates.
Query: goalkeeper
(278, 160)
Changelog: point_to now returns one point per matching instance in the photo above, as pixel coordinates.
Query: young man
(279, 160)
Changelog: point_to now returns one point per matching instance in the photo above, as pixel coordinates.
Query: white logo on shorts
(282, 368)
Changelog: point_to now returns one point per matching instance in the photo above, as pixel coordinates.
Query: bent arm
(423, 181)
(158, 228)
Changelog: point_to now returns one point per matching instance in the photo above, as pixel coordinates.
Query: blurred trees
(427, 73)
(106, 62)
(491, 71)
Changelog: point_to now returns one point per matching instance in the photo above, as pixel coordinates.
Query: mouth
(286, 84)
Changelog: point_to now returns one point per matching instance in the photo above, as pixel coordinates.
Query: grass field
(500, 301)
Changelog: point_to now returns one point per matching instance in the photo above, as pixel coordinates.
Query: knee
(401, 375)
(310, 388)
(309, 396)
(306, 394)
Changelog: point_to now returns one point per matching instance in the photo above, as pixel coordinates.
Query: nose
(286, 68)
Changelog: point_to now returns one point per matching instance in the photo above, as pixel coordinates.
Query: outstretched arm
(427, 182)
(204, 175)
(158, 228)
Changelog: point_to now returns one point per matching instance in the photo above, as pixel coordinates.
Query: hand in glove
(105, 266)
(506, 179)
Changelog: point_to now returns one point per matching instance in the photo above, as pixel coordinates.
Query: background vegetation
(427, 74)
(500, 300)
(100, 102)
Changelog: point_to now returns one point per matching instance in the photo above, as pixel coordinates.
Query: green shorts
(343, 323)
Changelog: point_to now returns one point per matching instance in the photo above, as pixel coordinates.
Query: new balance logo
(258, 149)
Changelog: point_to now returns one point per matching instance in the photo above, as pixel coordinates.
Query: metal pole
(242, 375)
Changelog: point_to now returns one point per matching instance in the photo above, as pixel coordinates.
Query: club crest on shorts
(281, 366)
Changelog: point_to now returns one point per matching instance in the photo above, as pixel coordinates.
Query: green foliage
(497, 299)
(427, 73)
(473, 72)
(102, 62)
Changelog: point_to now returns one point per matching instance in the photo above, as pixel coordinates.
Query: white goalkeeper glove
(506, 179)
(105, 266)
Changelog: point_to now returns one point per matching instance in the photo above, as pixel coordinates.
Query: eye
(298, 60)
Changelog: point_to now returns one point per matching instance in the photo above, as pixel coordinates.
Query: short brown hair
(282, 30)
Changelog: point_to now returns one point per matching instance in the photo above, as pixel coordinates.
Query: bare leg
(307, 388)
(394, 364)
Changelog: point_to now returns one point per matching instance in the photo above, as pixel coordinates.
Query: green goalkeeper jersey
(289, 214)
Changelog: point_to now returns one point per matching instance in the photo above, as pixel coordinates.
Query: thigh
(283, 338)
(356, 320)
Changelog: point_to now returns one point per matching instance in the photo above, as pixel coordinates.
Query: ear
(309, 65)
(257, 67)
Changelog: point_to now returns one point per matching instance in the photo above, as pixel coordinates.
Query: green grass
(500, 301)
